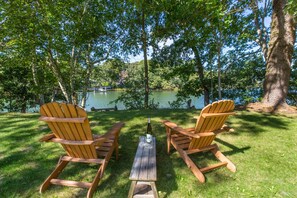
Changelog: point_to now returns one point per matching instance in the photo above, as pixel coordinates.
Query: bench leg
(133, 185)
(154, 189)
(132, 188)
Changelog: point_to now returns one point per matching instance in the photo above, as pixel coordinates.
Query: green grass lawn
(263, 148)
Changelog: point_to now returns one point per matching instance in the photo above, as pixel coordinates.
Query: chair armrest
(52, 138)
(113, 132)
(178, 129)
(187, 131)
(47, 137)
(225, 128)
(99, 140)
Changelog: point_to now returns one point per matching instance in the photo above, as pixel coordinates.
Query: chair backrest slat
(211, 123)
(81, 151)
(45, 111)
(70, 130)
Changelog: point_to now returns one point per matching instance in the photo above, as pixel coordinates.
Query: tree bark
(35, 78)
(200, 72)
(90, 66)
(219, 50)
(260, 25)
(56, 71)
(144, 47)
(279, 58)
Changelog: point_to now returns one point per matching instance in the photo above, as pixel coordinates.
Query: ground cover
(263, 148)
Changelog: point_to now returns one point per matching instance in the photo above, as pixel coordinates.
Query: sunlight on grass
(263, 148)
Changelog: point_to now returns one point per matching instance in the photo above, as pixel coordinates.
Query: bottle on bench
(149, 131)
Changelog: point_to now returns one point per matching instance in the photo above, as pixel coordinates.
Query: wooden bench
(144, 170)
(105, 109)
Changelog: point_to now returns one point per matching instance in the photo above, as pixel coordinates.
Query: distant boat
(103, 89)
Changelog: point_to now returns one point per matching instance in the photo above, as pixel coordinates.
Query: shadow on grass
(26, 162)
(255, 123)
(234, 148)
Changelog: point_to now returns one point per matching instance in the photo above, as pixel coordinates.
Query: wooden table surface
(144, 165)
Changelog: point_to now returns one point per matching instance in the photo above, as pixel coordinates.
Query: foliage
(67, 37)
(133, 96)
(17, 93)
(292, 95)
(197, 41)
(110, 73)
(66, 47)
(242, 78)
(292, 8)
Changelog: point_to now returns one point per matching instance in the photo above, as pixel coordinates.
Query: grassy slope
(262, 147)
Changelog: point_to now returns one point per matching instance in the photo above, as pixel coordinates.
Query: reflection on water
(103, 99)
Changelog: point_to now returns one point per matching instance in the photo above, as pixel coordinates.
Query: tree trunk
(24, 106)
(72, 70)
(219, 68)
(90, 66)
(56, 71)
(278, 66)
(36, 82)
(144, 47)
(53, 96)
(84, 91)
(259, 19)
(200, 72)
(83, 98)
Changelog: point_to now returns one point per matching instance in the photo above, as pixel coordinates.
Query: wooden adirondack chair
(70, 127)
(198, 139)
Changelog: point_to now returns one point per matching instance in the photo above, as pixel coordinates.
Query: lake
(103, 99)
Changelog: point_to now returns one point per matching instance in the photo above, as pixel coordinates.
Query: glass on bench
(145, 142)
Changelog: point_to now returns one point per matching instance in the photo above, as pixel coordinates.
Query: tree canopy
(218, 49)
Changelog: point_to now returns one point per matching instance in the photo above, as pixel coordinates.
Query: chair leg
(132, 187)
(59, 168)
(198, 174)
(168, 139)
(99, 174)
(96, 180)
(168, 145)
(220, 156)
(154, 189)
(117, 150)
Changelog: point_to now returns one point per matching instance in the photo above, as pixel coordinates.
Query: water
(103, 99)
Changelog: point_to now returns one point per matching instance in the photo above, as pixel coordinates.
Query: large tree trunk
(278, 66)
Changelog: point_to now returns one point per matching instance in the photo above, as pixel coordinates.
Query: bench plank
(144, 165)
